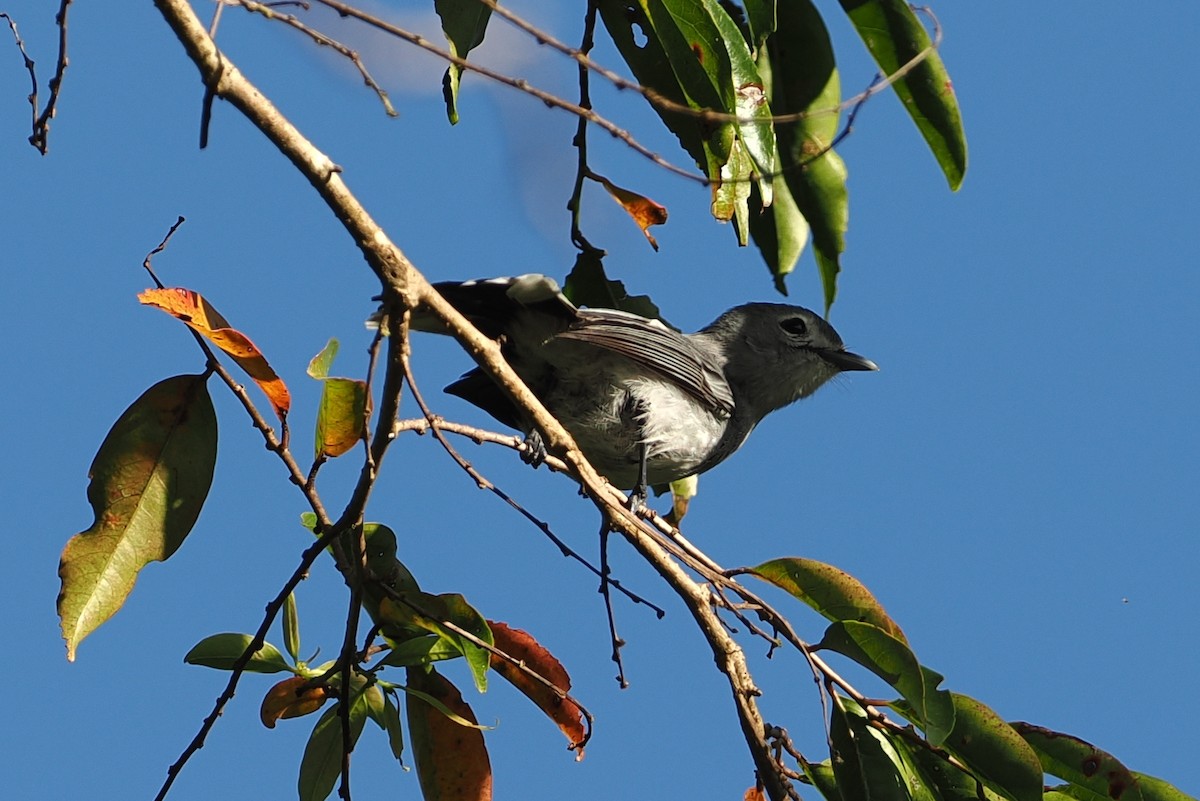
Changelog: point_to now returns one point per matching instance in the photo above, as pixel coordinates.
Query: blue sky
(1017, 484)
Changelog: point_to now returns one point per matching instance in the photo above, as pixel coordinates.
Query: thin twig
(323, 40)
(614, 638)
(41, 128)
(39, 136)
(30, 67)
(478, 435)
(575, 204)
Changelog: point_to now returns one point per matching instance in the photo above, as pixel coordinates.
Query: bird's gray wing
(653, 345)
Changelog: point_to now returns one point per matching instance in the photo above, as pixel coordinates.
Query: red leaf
(452, 761)
(523, 647)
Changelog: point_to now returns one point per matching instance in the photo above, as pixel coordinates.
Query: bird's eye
(794, 325)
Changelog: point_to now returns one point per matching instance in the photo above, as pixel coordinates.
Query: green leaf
(760, 17)
(780, 232)
(696, 53)
(322, 762)
(834, 593)
(865, 763)
(804, 79)
(222, 651)
(341, 417)
(1080, 762)
(1154, 789)
(386, 570)
(386, 715)
(731, 197)
(440, 693)
(466, 617)
(423, 650)
(291, 627)
(821, 776)
(895, 36)
(420, 611)
(318, 366)
(674, 48)
(464, 22)
(588, 285)
(891, 660)
(947, 781)
(644, 54)
(148, 483)
(994, 751)
(749, 97)
(921, 786)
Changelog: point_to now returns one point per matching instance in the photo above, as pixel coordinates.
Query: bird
(646, 404)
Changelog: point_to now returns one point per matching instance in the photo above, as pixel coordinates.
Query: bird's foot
(535, 450)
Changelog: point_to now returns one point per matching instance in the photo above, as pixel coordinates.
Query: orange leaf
(452, 761)
(199, 315)
(754, 794)
(644, 211)
(290, 698)
(521, 646)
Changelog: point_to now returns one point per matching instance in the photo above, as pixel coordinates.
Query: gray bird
(647, 404)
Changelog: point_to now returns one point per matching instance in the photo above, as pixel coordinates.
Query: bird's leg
(535, 449)
(639, 496)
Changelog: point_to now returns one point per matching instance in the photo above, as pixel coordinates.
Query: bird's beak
(845, 360)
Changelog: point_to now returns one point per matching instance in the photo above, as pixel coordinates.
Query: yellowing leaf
(199, 315)
(341, 418)
(644, 211)
(291, 698)
(148, 482)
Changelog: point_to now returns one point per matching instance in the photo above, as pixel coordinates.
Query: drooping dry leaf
(644, 211)
(523, 647)
(199, 315)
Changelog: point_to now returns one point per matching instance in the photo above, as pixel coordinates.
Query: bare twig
(30, 67)
(478, 435)
(352, 56)
(614, 638)
(159, 248)
(41, 127)
(40, 123)
(575, 204)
